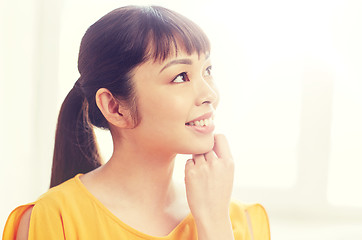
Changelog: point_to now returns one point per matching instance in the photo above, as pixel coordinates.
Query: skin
(23, 229)
(144, 154)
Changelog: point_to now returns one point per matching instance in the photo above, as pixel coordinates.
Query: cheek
(165, 107)
(216, 102)
(217, 94)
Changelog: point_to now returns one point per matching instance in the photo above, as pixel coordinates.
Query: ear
(112, 109)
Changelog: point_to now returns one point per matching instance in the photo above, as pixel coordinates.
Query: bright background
(290, 77)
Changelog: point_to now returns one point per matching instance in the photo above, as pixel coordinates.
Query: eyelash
(208, 70)
(185, 76)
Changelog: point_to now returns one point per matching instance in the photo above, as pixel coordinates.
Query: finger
(210, 156)
(221, 147)
(190, 162)
(189, 165)
(198, 159)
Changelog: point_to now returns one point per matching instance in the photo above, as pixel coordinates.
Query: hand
(209, 180)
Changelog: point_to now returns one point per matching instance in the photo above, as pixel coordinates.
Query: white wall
(28, 79)
(290, 77)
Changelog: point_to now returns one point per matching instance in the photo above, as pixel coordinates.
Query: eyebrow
(177, 61)
(182, 61)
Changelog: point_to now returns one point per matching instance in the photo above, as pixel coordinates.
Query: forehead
(162, 46)
(156, 55)
(177, 57)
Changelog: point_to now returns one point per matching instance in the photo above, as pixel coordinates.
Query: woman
(145, 74)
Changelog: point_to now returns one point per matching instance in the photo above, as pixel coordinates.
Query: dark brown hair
(110, 49)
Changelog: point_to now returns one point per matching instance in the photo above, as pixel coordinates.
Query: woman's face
(176, 101)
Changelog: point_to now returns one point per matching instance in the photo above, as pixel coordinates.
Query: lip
(203, 130)
(205, 116)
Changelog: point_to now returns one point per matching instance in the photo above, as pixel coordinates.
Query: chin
(202, 147)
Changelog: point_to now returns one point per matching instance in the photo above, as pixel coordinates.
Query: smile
(203, 122)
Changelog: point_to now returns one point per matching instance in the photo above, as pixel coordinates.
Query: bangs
(129, 36)
(169, 33)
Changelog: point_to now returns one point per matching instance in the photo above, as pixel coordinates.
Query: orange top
(70, 211)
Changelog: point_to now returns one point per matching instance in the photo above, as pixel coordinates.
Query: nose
(207, 93)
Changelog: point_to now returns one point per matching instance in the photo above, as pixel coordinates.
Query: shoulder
(61, 192)
(59, 201)
(18, 222)
(252, 217)
(253, 208)
(23, 228)
(45, 211)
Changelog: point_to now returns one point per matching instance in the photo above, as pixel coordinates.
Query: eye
(208, 71)
(182, 77)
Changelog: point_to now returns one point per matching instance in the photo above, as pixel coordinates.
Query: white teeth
(202, 123)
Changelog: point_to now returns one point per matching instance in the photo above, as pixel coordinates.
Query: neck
(145, 177)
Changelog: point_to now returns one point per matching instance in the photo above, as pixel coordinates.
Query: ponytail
(75, 149)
